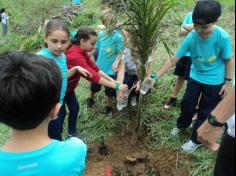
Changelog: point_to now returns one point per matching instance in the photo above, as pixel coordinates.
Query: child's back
(57, 158)
(29, 99)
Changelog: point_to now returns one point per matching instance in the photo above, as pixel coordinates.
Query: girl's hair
(206, 12)
(56, 24)
(84, 33)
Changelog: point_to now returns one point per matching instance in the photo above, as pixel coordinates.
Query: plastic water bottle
(124, 103)
(148, 84)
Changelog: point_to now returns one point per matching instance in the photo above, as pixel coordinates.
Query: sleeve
(92, 64)
(226, 48)
(187, 19)
(81, 61)
(184, 47)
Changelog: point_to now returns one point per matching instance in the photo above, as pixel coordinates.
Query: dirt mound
(125, 159)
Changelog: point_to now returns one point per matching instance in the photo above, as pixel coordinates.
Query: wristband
(154, 76)
(117, 86)
(213, 121)
(228, 79)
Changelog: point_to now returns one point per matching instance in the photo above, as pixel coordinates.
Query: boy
(109, 46)
(210, 75)
(182, 68)
(29, 99)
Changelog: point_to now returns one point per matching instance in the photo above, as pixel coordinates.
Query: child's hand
(123, 93)
(137, 86)
(84, 72)
(224, 90)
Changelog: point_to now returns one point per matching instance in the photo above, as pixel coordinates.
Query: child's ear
(55, 110)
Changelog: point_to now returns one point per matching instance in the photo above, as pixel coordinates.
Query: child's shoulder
(73, 145)
(220, 31)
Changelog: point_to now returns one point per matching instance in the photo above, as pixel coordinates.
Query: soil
(125, 159)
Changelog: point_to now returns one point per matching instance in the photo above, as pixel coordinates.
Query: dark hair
(56, 24)
(2, 10)
(206, 11)
(29, 88)
(84, 33)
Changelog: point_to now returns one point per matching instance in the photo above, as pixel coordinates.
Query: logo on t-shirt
(212, 59)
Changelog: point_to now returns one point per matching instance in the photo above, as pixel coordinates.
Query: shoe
(190, 146)
(175, 131)
(133, 101)
(170, 103)
(90, 102)
(109, 111)
(77, 135)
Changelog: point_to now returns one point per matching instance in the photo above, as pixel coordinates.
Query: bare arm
(228, 74)
(79, 69)
(170, 63)
(184, 31)
(209, 134)
(121, 72)
(105, 76)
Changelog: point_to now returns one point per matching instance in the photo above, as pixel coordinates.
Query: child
(77, 55)
(29, 100)
(110, 46)
(4, 19)
(57, 40)
(182, 68)
(210, 49)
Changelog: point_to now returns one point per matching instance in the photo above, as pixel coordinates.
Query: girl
(77, 55)
(57, 40)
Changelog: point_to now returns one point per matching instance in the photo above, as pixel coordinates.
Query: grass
(93, 123)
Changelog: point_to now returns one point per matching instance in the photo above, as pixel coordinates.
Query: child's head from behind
(56, 36)
(86, 38)
(205, 15)
(29, 89)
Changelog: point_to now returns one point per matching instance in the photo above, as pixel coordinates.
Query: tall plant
(142, 20)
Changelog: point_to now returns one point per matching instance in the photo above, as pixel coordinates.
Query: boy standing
(29, 100)
(210, 75)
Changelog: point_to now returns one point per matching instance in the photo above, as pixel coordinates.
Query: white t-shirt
(231, 124)
(4, 18)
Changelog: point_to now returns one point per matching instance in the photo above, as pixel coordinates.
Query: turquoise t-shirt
(109, 46)
(188, 20)
(208, 55)
(61, 62)
(56, 159)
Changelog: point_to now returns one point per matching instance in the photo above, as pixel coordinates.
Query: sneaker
(170, 103)
(175, 131)
(133, 101)
(77, 135)
(190, 146)
(90, 102)
(109, 111)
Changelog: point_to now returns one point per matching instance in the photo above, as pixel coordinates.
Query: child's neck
(29, 140)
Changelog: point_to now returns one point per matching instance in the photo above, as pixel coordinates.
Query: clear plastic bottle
(124, 103)
(148, 84)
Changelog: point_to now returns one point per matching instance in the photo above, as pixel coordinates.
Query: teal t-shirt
(208, 55)
(188, 20)
(109, 46)
(56, 159)
(61, 62)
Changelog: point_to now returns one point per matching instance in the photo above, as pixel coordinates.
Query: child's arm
(79, 69)
(113, 85)
(170, 63)
(105, 76)
(228, 75)
(121, 71)
(117, 62)
(185, 30)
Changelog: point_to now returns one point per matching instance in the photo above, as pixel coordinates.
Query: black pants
(209, 99)
(225, 163)
(56, 126)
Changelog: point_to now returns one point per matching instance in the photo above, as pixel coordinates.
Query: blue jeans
(56, 126)
(4, 29)
(209, 100)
